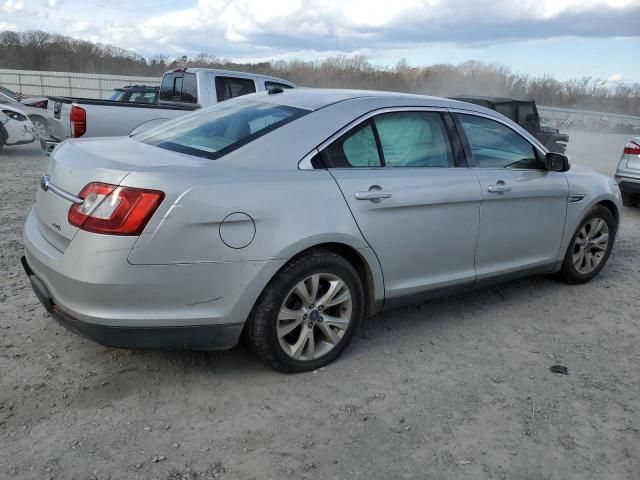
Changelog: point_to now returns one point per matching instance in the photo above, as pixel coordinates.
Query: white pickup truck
(182, 90)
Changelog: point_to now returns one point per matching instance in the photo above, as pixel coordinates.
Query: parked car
(525, 114)
(136, 94)
(35, 114)
(15, 127)
(182, 91)
(628, 173)
(291, 216)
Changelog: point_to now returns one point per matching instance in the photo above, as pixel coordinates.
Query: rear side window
(218, 130)
(230, 87)
(179, 87)
(399, 139)
(357, 148)
(269, 85)
(495, 145)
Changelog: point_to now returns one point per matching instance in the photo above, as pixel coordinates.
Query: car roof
(488, 99)
(231, 73)
(316, 98)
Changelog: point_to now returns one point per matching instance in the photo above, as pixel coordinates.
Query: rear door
(414, 202)
(524, 206)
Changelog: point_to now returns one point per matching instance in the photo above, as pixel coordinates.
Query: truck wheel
(630, 200)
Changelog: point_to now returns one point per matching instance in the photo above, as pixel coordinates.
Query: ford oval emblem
(45, 181)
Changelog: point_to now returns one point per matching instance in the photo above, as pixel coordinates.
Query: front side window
(215, 131)
(495, 145)
(398, 139)
(230, 87)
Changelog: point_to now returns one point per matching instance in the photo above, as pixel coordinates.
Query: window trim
(454, 137)
(538, 148)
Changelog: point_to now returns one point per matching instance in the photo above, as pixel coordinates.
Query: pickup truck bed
(107, 117)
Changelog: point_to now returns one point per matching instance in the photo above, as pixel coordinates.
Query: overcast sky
(565, 38)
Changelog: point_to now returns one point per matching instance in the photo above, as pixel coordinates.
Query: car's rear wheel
(630, 199)
(590, 246)
(308, 313)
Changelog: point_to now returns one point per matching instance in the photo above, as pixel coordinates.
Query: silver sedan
(289, 216)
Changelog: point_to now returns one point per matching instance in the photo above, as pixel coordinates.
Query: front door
(524, 206)
(418, 211)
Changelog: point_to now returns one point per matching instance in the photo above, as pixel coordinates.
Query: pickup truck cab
(182, 90)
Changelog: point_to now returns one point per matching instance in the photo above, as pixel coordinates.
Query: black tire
(630, 199)
(568, 272)
(261, 327)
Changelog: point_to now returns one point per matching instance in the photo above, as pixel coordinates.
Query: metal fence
(586, 117)
(88, 85)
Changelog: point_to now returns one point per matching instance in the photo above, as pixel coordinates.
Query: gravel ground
(456, 388)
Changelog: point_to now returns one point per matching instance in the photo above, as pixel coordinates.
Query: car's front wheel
(308, 313)
(590, 246)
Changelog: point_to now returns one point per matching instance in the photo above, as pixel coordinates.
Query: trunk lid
(74, 164)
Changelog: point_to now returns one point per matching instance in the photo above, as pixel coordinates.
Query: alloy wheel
(314, 316)
(590, 245)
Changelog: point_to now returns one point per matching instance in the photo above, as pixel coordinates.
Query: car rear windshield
(215, 131)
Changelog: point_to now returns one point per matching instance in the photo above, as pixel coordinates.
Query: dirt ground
(458, 388)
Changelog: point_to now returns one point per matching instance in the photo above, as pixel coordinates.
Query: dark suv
(525, 114)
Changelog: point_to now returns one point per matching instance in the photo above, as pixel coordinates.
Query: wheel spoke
(307, 290)
(335, 295)
(287, 328)
(328, 333)
(339, 322)
(298, 347)
(578, 258)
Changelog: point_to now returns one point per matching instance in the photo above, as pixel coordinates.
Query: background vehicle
(525, 114)
(34, 107)
(182, 90)
(15, 127)
(136, 94)
(628, 173)
(292, 215)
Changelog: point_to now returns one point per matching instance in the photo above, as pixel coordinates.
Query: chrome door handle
(372, 195)
(499, 187)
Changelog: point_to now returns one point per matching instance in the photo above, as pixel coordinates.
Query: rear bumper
(628, 184)
(162, 337)
(48, 144)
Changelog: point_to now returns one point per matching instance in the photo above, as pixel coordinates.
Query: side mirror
(557, 162)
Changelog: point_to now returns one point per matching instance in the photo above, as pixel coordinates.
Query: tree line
(37, 50)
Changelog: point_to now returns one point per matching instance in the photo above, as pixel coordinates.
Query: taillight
(78, 121)
(114, 210)
(632, 148)
(39, 104)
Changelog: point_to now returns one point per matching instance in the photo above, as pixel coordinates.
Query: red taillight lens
(632, 148)
(40, 104)
(114, 210)
(78, 121)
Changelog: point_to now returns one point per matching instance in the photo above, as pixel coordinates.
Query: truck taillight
(78, 121)
(114, 210)
(632, 148)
